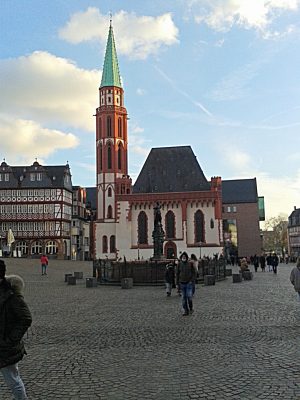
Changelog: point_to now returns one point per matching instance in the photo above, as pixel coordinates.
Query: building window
(109, 160)
(36, 248)
(104, 244)
(6, 177)
(39, 176)
(142, 228)
(22, 247)
(0, 177)
(100, 158)
(108, 126)
(51, 247)
(199, 227)
(32, 177)
(100, 127)
(112, 244)
(109, 212)
(120, 156)
(109, 192)
(120, 127)
(212, 224)
(170, 225)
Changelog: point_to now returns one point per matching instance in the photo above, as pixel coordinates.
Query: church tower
(111, 138)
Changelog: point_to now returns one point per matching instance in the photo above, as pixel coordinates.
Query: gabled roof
(239, 191)
(171, 169)
(111, 73)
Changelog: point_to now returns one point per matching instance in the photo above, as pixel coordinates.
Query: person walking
(185, 277)
(262, 260)
(295, 277)
(44, 264)
(169, 278)
(256, 262)
(15, 319)
(269, 262)
(275, 262)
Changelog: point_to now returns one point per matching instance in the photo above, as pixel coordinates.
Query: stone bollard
(247, 275)
(126, 283)
(67, 276)
(209, 280)
(236, 278)
(71, 280)
(91, 282)
(78, 275)
(228, 272)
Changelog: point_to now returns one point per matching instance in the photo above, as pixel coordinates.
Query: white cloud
(23, 140)
(50, 90)
(222, 15)
(136, 36)
(137, 142)
(280, 193)
(140, 92)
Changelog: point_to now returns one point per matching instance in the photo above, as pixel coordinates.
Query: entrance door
(170, 250)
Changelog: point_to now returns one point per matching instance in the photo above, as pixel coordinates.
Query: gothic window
(108, 126)
(142, 228)
(100, 158)
(104, 244)
(199, 227)
(212, 224)
(120, 156)
(170, 225)
(109, 192)
(120, 127)
(109, 212)
(100, 127)
(112, 244)
(109, 156)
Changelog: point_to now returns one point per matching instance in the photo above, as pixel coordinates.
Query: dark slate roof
(171, 169)
(294, 218)
(53, 176)
(91, 197)
(239, 191)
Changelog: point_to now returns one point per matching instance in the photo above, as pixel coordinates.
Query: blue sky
(220, 75)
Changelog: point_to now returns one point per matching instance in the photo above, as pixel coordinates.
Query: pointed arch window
(100, 127)
(112, 244)
(109, 192)
(120, 127)
(109, 212)
(108, 121)
(199, 226)
(109, 157)
(142, 228)
(104, 244)
(120, 156)
(100, 158)
(170, 225)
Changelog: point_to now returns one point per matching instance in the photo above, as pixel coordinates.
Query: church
(191, 206)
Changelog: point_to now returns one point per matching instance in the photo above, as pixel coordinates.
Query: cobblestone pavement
(108, 343)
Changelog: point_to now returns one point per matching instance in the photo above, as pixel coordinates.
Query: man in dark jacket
(15, 319)
(185, 277)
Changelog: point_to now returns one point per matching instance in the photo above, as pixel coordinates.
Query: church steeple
(111, 137)
(111, 73)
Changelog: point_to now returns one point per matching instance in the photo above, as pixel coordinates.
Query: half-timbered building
(36, 204)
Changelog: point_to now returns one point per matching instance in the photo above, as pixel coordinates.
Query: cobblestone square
(108, 343)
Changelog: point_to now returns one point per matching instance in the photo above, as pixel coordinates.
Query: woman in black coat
(15, 319)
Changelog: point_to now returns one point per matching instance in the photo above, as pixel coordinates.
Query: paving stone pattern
(108, 343)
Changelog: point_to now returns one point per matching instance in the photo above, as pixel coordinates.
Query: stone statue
(158, 234)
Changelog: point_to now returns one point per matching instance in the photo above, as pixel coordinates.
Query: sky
(222, 76)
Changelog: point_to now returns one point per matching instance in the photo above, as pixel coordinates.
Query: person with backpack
(15, 319)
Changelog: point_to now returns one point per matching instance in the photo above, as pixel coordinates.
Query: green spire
(111, 73)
